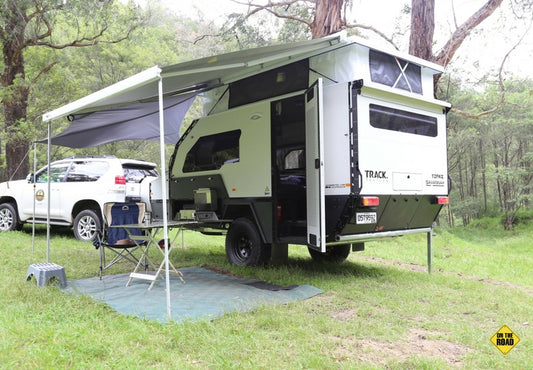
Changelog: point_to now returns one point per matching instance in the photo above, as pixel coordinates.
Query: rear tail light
(120, 180)
(370, 201)
(278, 213)
(442, 200)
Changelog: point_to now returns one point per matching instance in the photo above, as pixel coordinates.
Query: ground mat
(205, 295)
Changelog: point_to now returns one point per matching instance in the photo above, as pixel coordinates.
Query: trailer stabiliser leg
(430, 249)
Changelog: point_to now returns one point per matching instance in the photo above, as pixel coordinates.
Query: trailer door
(314, 161)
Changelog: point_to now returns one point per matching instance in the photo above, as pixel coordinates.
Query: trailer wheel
(334, 253)
(244, 246)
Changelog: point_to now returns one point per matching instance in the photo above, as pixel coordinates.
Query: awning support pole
(49, 150)
(34, 190)
(163, 191)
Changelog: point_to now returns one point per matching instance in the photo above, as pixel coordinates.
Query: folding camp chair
(116, 239)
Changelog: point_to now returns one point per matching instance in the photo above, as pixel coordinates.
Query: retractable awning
(193, 76)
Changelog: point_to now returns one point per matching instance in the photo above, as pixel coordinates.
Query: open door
(314, 144)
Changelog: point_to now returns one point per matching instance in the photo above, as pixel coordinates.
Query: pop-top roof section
(395, 72)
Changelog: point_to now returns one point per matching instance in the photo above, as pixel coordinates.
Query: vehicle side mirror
(29, 178)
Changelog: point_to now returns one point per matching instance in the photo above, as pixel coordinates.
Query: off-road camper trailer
(329, 148)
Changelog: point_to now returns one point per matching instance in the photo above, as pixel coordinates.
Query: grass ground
(379, 309)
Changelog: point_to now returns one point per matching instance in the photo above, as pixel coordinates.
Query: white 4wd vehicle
(79, 187)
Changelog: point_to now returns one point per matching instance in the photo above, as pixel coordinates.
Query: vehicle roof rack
(91, 156)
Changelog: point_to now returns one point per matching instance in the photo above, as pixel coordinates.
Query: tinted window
(395, 72)
(402, 121)
(87, 171)
(276, 82)
(57, 173)
(213, 151)
(137, 174)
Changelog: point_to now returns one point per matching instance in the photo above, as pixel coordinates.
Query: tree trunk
(422, 28)
(328, 18)
(460, 34)
(483, 175)
(17, 161)
(15, 102)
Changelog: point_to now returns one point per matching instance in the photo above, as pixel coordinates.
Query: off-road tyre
(244, 246)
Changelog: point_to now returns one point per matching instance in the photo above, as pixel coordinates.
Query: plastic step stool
(43, 272)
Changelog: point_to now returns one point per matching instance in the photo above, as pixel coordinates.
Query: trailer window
(285, 79)
(213, 151)
(395, 72)
(294, 160)
(402, 121)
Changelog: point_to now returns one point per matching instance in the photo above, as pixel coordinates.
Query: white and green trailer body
(328, 149)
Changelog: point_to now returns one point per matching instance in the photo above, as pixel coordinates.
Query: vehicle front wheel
(244, 246)
(334, 253)
(87, 225)
(8, 218)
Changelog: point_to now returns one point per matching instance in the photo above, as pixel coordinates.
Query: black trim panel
(395, 212)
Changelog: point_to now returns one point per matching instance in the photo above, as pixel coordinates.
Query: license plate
(366, 218)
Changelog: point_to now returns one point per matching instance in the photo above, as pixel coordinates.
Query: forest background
(490, 128)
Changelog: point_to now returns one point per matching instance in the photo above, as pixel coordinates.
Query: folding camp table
(152, 230)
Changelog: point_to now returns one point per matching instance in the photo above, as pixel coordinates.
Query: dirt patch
(416, 343)
(410, 266)
(343, 314)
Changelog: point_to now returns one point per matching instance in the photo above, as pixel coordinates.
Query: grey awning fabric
(138, 121)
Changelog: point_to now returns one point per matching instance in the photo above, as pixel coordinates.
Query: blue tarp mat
(206, 294)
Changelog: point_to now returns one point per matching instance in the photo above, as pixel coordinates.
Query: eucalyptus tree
(329, 16)
(52, 24)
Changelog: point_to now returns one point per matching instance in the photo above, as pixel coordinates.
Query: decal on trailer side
(376, 174)
(437, 180)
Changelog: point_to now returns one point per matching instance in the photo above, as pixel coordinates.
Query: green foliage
(486, 224)
(293, 30)
(490, 158)
(523, 218)
(51, 25)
